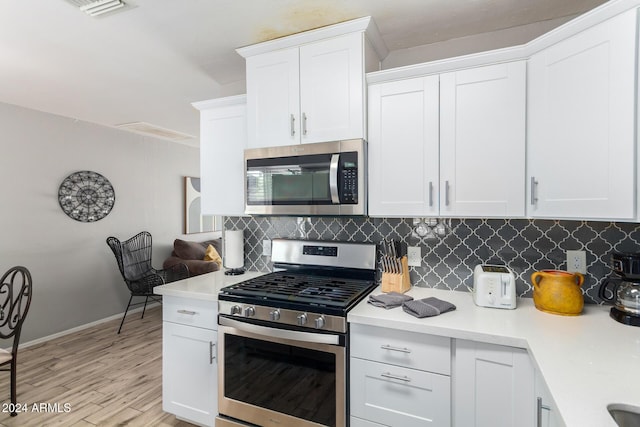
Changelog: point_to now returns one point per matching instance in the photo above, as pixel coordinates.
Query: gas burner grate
(301, 288)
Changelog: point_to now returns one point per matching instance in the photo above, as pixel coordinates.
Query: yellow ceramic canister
(558, 292)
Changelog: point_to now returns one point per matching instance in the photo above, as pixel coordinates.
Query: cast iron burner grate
(301, 288)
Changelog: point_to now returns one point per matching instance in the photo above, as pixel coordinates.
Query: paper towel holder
(234, 252)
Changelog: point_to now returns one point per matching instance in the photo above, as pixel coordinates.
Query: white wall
(472, 44)
(75, 276)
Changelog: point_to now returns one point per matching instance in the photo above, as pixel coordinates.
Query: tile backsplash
(447, 262)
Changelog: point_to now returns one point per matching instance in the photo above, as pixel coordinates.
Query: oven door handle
(280, 333)
(333, 178)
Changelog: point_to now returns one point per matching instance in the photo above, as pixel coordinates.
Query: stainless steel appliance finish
(282, 337)
(273, 381)
(287, 317)
(307, 179)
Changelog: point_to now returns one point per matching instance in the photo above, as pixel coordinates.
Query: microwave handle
(333, 179)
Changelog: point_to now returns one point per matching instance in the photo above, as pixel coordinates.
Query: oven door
(279, 377)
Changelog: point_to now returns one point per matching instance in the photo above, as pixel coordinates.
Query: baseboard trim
(82, 327)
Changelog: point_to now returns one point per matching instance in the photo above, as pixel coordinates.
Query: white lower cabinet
(399, 378)
(493, 386)
(546, 412)
(189, 365)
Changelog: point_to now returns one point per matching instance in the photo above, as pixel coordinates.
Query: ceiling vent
(155, 131)
(97, 7)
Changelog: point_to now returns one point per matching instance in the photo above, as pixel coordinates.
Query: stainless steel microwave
(326, 178)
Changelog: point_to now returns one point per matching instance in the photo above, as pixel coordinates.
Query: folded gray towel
(389, 300)
(427, 307)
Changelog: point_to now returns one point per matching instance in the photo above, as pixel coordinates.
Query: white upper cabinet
(581, 146)
(309, 87)
(332, 89)
(452, 144)
(403, 147)
(482, 141)
(273, 100)
(223, 138)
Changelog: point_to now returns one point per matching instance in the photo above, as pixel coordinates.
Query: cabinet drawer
(192, 312)
(409, 349)
(397, 396)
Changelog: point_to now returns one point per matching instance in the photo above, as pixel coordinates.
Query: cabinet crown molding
(364, 25)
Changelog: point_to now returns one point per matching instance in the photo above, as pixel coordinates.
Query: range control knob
(302, 319)
(274, 315)
(249, 312)
(236, 309)
(320, 322)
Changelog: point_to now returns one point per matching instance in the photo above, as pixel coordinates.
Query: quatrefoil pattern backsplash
(447, 262)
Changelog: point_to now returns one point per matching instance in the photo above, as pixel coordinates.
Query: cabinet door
(397, 396)
(189, 373)
(482, 141)
(403, 147)
(273, 99)
(547, 415)
(223, 138)
(332, 89)
(581, 124)
(493, 386)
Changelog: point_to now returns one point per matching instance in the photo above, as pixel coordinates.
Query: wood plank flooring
(94, 377)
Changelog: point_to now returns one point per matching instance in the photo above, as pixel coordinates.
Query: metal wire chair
(134, 261)
(15, 299)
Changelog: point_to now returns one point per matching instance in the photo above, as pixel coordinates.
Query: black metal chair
(15, 299)
(134, 261)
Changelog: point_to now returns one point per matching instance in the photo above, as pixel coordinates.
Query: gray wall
(75, 276)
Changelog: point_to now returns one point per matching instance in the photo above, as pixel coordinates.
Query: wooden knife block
(397, 282)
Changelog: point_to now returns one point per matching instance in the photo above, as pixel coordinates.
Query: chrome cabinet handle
(446, 193)
(540, 407)
(211, 352)
(388, 347)
(534, 187)
(293, 125)
(189, 312)
(430, 193)
(395, 377)
(304, 123)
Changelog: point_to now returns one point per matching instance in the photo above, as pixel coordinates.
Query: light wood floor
(105, 379)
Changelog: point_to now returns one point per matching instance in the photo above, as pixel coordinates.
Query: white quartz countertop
(587, 361)
(205, 286)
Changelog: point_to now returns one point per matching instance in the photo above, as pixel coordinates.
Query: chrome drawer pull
(401, 350)
(211, 352)
(395, 377)
(189, 312)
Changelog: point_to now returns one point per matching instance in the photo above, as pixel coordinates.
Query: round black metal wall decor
(86, 196)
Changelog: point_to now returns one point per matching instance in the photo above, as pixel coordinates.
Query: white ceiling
(149, 61)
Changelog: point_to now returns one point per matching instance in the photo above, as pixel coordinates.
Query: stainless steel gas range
(283, 337)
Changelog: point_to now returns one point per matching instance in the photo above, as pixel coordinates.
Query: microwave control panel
(349, 178)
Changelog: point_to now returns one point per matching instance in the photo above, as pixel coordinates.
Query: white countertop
(587, 361)
(203, 287)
